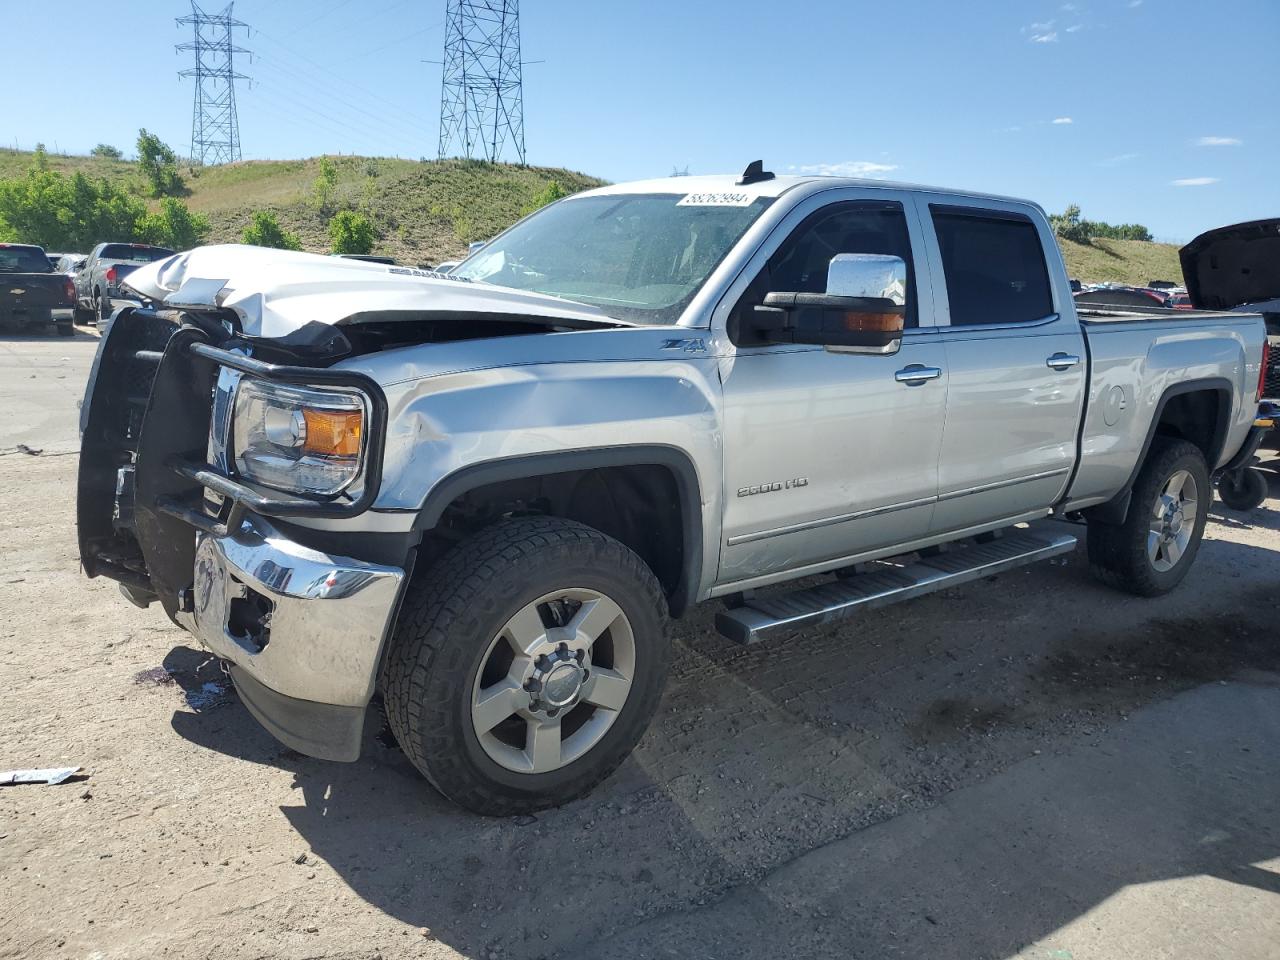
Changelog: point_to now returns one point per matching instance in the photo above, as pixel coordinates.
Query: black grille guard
(242, 496)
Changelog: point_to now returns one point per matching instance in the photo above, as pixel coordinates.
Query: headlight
(299, 438)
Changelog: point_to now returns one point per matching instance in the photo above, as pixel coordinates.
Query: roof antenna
(755, 173)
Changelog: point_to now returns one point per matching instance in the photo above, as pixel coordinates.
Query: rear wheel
(526, 665)
(1153, 549)
(1243, 489)
(65, 329)
(102, 308)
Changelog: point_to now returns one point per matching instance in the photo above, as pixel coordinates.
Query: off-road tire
(81, 316)
(102, 309)
(65, 329)
(1118, 552)
(1243, 489)
(452, 612)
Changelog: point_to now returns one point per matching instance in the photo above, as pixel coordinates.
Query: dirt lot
(1031, 766)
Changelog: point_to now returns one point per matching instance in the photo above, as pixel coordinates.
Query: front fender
(452, 433)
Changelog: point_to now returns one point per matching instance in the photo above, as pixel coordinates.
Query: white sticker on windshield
(715, 200)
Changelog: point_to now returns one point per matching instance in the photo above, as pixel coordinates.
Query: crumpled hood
(276, 292)
(1233, 266)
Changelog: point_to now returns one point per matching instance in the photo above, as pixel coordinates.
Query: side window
(994, 267)
(800, 264)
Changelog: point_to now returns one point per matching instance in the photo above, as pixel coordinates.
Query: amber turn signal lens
(859, 322)
(333, 433)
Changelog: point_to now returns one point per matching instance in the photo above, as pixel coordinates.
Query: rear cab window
(138, 254)
(994, 266)
(23, 260)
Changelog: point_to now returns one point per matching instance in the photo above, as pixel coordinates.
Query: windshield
(127, 251)
(639, 257)
(23, 260)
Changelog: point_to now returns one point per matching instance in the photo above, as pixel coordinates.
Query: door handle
(915, 374)
(1062, 361)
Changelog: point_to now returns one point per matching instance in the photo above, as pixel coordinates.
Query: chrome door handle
(915, 374)
(1062, 361)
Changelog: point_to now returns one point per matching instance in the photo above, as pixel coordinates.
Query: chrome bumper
(325, 623)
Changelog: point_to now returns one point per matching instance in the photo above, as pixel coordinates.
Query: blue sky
(1163, 112)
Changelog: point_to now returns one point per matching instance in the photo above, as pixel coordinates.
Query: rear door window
(994, 266)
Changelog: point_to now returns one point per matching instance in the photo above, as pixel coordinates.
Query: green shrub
(265, 231)
(552, 192)
(174, 226)
(351, 232)
(106, 151)
(1071, 226)
(159, 165)
(323, 186)
(62, 213)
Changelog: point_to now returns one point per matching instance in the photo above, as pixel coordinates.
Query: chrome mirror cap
(868, 275)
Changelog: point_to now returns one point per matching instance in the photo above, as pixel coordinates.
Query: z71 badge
(773, 487)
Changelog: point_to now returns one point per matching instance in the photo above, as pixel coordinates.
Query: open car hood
(1233, 266)
(275, 293)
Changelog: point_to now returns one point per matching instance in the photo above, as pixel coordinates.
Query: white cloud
(848, 168)
(1062, 121)
(1050, 37)
(1075, 28)
(1070, 7)
(1195, 181)
(1134, 3)
(1218, 142)
(1118, 159)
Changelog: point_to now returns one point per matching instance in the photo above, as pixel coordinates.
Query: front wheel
(1153, 549)
(526, 664)
(1244, 489)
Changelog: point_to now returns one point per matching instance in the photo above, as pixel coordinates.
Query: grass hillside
(1122, 261)
(425, 212)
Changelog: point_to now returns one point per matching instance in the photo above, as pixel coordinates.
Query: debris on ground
(157, 675)
(51, 776)
(210, 694)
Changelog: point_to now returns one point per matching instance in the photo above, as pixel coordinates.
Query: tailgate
(31, 292)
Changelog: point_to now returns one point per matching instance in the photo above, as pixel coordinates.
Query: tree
(1071, 226)
(41, 158)
(106, 151)
(159, 165)
(323, 186)
(174, 226)
(351, 232)
(265, 231)
(61, 213)
(549, 194)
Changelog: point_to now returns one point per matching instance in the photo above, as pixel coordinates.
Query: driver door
(830, 454)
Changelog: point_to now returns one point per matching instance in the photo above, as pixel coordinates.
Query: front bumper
(302, 630)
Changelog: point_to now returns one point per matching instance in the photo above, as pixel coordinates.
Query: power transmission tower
(215, 126)
(482, 93)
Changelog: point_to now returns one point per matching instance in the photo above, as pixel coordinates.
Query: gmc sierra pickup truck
(481, 496)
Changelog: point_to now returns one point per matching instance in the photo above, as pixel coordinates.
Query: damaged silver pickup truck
(480, 497)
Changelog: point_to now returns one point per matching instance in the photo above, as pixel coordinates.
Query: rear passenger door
(1015, 361)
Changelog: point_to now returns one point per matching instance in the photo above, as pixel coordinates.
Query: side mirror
(863, 310)
(475, 245)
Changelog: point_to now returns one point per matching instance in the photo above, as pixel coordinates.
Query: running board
(883, 584)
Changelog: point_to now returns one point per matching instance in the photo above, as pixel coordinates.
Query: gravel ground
(1032, 765)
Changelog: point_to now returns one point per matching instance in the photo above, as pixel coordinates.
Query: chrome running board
(884, 583)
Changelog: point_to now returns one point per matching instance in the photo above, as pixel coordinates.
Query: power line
(215, 126)
(482, 90)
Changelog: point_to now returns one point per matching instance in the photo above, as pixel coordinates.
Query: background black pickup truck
(30, 290)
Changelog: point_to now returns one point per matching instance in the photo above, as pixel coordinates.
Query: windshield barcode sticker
(715, 200)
